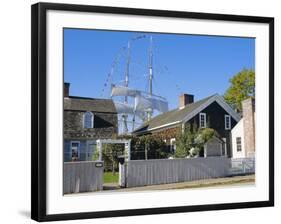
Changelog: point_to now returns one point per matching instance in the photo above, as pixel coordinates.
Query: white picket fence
(164, 171)
(84, 176)
(242, 166)
(87, 176)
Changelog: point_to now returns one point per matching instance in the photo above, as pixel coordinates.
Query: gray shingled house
(85, 121)
(212, 112)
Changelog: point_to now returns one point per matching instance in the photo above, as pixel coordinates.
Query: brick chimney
(248, 112)
(185, 99)
(66, 89)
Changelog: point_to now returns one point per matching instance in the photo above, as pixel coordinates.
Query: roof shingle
(171, 116)
(89, 104)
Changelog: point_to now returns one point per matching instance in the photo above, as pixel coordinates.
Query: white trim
(126, 142)
(92, 119)
(162, 126)
(78, 149)
(88, 144)
(205, 120)
(224, 146)
(172, 143)
(241, 149)
(216, 98)
(226, 116)
(220, 101)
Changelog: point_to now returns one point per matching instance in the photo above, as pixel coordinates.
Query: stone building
(210, 112)
(85, 121)
(243, 134)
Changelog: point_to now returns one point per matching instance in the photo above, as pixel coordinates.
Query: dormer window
(202, 120)
(88, 119)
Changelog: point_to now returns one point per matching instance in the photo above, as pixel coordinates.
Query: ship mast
(145, 102)
(125, 116)
(150, 110)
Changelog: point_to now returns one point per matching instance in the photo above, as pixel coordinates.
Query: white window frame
(92, 120)
(237, 144)
(224, 146)
(227, 117)
(78, 150)
(204, 120)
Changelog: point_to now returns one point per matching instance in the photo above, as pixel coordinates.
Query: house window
(91, 151)
(202, 120)
(75, 151)
(227, 122)
(238, 144)
(88, 120)
(172, 144)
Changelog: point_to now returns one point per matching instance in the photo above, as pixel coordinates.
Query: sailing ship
(143, 104)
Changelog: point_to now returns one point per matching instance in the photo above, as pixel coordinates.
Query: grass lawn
(108, 177)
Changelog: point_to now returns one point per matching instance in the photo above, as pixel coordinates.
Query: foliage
(167, 133)
(95, 155)
(110, 153)
(203, 135)
(242, 87)
(143, 147)
(184, 143)
(190, 143)
(148, 147)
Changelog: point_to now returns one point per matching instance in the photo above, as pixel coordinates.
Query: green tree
(110, 153)
(184, 142)
(242, 87)
(191, 143)
(148, 147)
(202, 136)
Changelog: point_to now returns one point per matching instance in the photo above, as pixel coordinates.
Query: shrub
(191, 143)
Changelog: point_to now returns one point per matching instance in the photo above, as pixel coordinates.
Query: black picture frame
(39, 122)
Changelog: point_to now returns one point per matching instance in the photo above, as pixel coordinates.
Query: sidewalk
(207, 183)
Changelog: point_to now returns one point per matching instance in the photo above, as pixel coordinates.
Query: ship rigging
(143, 103)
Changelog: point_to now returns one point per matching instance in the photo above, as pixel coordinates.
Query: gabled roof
(177, 116)
(89, 104)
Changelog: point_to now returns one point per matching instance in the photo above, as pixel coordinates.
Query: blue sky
(199, 65)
